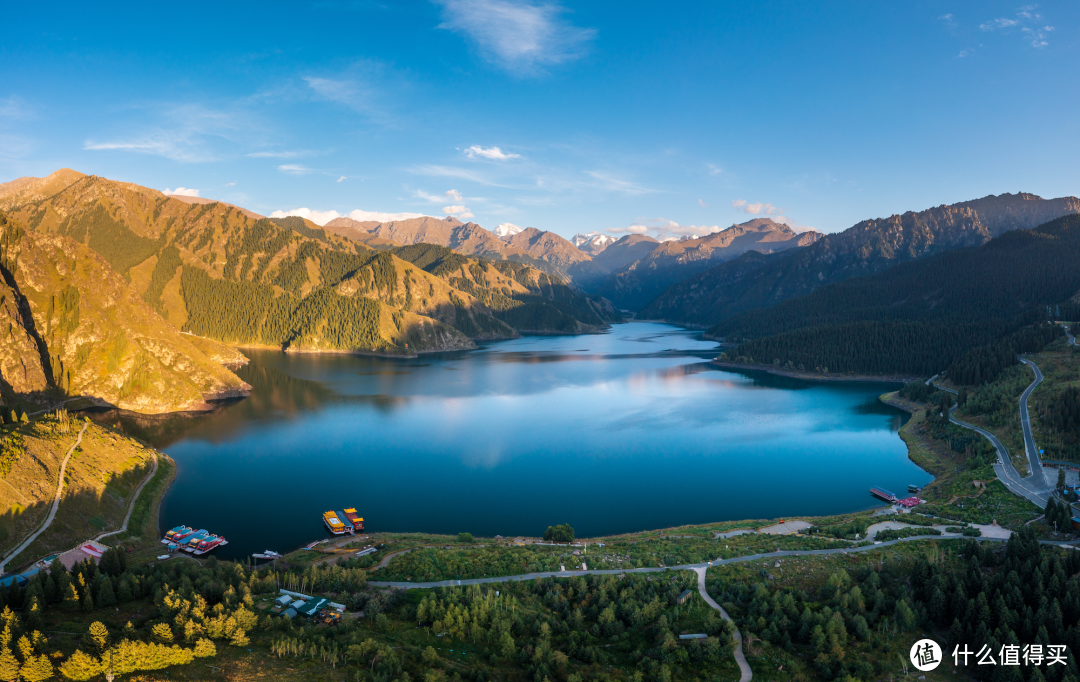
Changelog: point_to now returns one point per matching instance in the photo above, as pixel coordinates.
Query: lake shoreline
(813, 376)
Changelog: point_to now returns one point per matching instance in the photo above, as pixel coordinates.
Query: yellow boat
(333, 522)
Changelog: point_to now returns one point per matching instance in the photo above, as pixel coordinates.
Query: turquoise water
(624, 431)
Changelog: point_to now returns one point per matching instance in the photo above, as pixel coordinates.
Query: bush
(465, 537)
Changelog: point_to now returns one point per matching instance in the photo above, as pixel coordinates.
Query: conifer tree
(205, 648)
(105, 596)
(162, 633)
(97, 636)
(37, 669)
(9, 665)
(80, 667)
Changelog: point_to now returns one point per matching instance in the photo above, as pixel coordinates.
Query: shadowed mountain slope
(921, 316)
(753, 281)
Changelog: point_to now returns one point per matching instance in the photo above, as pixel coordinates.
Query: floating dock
(883, 494)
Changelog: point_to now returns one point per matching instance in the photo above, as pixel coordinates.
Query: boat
(355, 519)
(268, 554)
(884, 495)
(913, 489)
(208, 543)
(177, 534)
(333, 521)
(192, 541)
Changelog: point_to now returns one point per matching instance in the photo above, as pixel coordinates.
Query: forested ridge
(247, 280)
(969, 310)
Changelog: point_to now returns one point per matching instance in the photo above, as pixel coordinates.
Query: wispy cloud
(341, 179)
(489, 153)
(614, 184)
(665, 230)
(438, 171)
(966, 52)
(521, 37)
(14, 107)
(183, 192)
(714, 169)
(188, 133)
(1027, 21)
(295, 169)
(701, 203)
(323, 217)
(281, 155)
(16, 146)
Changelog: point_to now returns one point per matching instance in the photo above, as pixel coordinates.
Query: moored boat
(177, 534)
(208, 543)
(191, 542)
(333, 521)
(355, 519)
(884, 495)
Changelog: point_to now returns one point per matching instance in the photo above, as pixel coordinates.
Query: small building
(283, 600)
(299, 603)
(1076, 523)
(7, 580)
(289, 613)
(683, 596)
(696, 636)
(312, 607)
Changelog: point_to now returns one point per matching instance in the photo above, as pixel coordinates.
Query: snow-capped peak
(596, 239)
(507, 230)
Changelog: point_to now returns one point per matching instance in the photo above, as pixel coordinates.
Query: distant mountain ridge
(539, 248)
(592, 243)
(755, 281)
(657, 265)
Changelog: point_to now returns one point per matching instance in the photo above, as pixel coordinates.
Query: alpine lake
(625, 431)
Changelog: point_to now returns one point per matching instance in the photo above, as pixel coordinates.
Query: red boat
(177, 534)
(208, 543)
(355, 519)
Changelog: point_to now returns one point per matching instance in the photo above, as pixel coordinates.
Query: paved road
(1030, 448)
(1033, 488)
(55, 504)
(746, 674)
(134, 497)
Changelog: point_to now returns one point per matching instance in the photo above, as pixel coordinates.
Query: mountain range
(101, 277)
(759, 280)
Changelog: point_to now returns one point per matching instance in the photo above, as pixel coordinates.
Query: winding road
(55, 504)
(1033, 487)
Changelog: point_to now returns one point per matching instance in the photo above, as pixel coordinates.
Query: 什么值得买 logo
(925, 654)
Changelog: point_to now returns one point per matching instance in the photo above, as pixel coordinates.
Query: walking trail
(55, 504)
(134, 498)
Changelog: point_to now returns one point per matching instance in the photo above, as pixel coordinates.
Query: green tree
(106, 596)
(162, 633)
(561, 533)
(465, 537)
(1061, 478)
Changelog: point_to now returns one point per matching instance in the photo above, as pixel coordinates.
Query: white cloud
(448, 195)
(755, 209)
(451, 172)
(323, 217)
(16, 146)
(701, 203)
(714, 169)
(459, 212)
(1027, 21)
(521, 37)
(182, 191)
(341, 179)
(633, 229)
(489, 153)
(230, 184)
(280, 155)
(294, 169)
(966, 52)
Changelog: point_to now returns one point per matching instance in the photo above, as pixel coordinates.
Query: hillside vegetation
(968, 310)
(754, 281)
(76, 328)
(101, 476)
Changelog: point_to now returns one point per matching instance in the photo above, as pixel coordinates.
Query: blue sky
(678, 118)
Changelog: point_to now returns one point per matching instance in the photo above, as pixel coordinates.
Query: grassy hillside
(76, 328)
(101, 476)
(961, 310)
(303, 288)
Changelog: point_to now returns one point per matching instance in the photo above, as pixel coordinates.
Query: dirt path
(134, 498)
(55, 504)
(740, 657)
